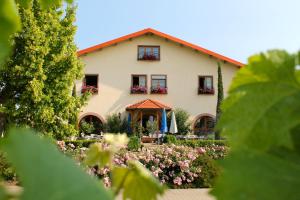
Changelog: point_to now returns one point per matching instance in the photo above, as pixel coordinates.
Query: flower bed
(175, 166)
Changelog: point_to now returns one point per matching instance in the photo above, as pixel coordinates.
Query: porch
(143, 111)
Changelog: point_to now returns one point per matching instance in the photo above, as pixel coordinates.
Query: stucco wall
(182, 65)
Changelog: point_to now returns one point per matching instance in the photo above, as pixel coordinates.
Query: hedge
(81, 143)
(202, 143)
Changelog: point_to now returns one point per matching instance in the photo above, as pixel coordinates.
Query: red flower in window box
(149, 57)
(89, 88)
(159, 90)
(138, 90)
(206, 91)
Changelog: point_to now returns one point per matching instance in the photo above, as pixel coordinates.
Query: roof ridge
(161, 34)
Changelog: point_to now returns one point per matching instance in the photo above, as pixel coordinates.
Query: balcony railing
(89, 88)
(138, 90)
(159, 90)
(206, 91)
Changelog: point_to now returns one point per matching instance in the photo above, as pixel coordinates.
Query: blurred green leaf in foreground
(45, 173)
(261, 118)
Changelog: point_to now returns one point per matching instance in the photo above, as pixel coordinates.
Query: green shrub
(182, 120)
(209, 171)
(151, 126)
(86, 127)
(202, 143)
(115, 124)
(170, 139)
(134, 144)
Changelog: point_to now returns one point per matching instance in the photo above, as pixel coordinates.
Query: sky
(234, 28)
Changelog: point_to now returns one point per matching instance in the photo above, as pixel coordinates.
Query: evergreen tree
(220, 99)
(37, 81)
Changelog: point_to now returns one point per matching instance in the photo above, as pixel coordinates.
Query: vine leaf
(261, 118)
(251, 175)
(47, 174)
(137, 182)
(263, 103)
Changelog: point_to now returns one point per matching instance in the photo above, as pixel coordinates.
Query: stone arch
(92, 118)
(93, 114)
(203, 124)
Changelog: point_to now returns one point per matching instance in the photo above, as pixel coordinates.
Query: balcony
(138, 90)
(89, 88)
(206, 91)
(159, 90)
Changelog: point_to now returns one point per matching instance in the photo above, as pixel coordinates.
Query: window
(148, 52)
(159, 84)
(139, 84)
(206, 85)
(204, 125)
(90, 84)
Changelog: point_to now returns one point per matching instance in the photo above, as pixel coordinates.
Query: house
(144, 72)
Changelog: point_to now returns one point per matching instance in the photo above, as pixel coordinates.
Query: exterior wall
(182, 65)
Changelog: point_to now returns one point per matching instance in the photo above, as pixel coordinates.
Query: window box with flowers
(159, 90)
(89, 88)
(206, 91)
(138, 90)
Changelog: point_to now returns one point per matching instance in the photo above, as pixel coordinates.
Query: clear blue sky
(234, 28)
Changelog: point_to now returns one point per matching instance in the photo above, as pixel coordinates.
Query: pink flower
(107, 182)
(177, 181)
(201, 150)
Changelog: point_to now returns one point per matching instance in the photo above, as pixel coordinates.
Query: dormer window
(148, 53)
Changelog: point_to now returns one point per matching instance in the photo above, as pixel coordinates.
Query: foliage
(86, 127)
(6, 170)
(115, 124)
(39, 76)
(125, 179)
(182, 120)
(151, 126)
(264, 138)
(45, 173)
(10, 21)
(209, 171)
(138, 129)
(171, 139)
(134, 143)
(202, 143)
(80, 143)
(220, 99)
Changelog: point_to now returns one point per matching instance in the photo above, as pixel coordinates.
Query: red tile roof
(160, 34)
(148, 104)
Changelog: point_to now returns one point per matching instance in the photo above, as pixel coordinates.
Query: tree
(38, 78)
(220, 99)
(182, 120)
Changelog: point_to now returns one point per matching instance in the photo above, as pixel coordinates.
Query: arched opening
(204, 125)
(90, 124)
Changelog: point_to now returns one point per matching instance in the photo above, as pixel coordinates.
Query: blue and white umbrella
(129, 122)
(164, 126)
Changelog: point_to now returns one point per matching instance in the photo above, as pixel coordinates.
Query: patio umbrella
(129, 122)
(164, 126)
(173, 126)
